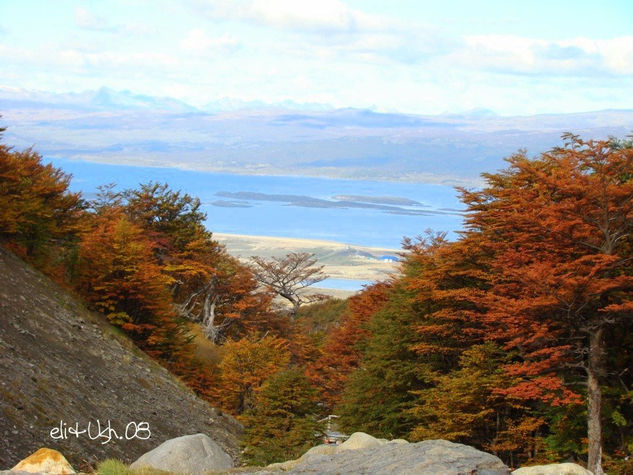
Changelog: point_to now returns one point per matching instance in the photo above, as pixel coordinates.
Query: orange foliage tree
(215, 290)
(465, 374)
(559, 227)
(208, 286)
(446, 278)
(246, 364)
(118, 273)
(467, 405)
(37, 210)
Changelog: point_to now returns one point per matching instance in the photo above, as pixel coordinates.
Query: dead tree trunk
(211, 331)
(205, 313)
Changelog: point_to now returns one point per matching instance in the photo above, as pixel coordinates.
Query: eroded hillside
(62, 364)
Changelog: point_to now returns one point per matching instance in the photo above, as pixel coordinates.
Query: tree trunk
(295, 309)
(594, 401)
(211, 331)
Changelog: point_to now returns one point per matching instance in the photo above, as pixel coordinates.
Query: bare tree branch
(289, 275)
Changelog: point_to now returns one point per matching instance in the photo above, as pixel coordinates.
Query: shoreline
(348, 263)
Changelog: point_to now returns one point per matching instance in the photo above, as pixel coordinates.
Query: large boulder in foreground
(187, 454)
(45, 461)
(367, 455)
(553, 469)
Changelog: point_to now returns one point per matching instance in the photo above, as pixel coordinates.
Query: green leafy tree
(283, 423)
(378, 394)
(157, 208)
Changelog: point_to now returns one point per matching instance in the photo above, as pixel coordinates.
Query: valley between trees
(517, 338)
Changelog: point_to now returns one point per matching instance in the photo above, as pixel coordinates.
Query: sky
(413, 56)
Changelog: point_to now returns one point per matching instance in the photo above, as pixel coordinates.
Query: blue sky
(419, 56)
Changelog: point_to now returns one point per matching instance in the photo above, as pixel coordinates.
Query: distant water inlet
(351, 285)
(364, 213)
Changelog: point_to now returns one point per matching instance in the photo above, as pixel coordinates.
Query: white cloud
(521, 55)
(88, 20)
(198, 41)
(617, 54)
(77, 60)
(304, 15)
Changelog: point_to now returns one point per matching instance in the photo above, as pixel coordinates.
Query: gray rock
(398, 441)
(323, 449)
(428, 457)
(360, 440)
(187, 454)
(553, 469)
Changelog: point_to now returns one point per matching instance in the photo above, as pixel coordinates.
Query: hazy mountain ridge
(122, 127)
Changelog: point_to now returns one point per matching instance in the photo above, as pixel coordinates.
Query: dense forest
(517, 338)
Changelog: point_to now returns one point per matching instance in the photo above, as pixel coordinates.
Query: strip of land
(347, 262)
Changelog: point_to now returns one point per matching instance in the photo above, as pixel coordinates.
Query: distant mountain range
(103, 99)
(234, 136)
(106, 99)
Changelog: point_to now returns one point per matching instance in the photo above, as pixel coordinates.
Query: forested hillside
(516, 338)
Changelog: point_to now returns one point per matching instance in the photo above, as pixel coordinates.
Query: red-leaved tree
(559, 227)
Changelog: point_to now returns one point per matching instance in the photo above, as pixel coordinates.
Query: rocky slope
(60, 364)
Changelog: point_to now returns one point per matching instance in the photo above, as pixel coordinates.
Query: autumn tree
(466, 405)
(445, 279)
(462, 405)
(341, 352)
(418, 332)
(290, 276)
(106, 199)
(208, 286)
(37, 210)
(560, 229)
(246, 364)
(117, 272)
(319, 317)
(282, 425)
(218, 292)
